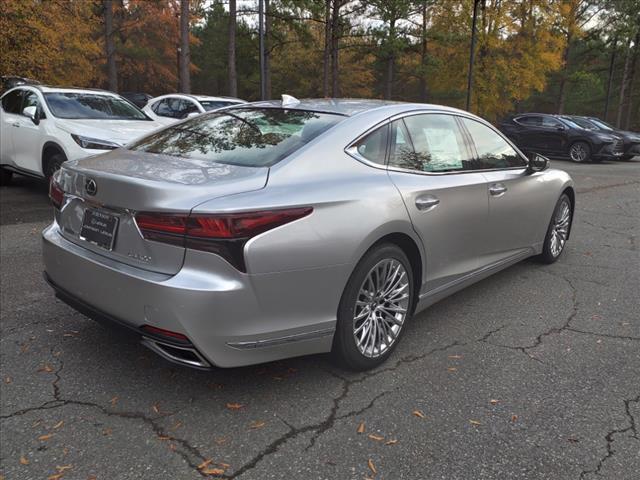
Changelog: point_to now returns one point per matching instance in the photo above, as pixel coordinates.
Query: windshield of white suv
(73, 105)
(251, 137)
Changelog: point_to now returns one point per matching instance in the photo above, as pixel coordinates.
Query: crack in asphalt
(609, 437)
(59, 401)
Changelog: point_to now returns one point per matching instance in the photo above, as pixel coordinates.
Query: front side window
(530, 120)
(258, 137)
(91, 106)
(12, 101)
(373, 147)
(550, 122)
(30, 100)
(493, 150)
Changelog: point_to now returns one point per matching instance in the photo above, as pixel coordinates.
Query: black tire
(345, 350)
(585, 152)
(5, 176)
(548, 256)
(53, 164)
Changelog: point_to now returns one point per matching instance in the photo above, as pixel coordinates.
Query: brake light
(56, 194)
(223, 234)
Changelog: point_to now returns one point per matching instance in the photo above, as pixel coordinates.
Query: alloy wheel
(578, 152)
(560, 228)
(381, 307)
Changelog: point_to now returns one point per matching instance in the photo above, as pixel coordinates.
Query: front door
(27, 136)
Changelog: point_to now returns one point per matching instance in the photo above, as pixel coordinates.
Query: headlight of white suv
(94, 143)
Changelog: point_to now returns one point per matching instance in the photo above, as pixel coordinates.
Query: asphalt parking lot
(533, 373)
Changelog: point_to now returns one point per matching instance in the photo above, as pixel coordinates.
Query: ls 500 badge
(137, 256)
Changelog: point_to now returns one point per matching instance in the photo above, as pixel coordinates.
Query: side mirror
(560, 128)
(193, 114)
(32, 113)
(537, 163)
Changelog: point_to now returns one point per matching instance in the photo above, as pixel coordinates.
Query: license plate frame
(99, 228)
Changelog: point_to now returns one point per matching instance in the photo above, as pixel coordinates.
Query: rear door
(515, 220)
(430, 165)
(531, 135)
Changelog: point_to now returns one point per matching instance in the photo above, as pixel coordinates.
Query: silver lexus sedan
(277, 229)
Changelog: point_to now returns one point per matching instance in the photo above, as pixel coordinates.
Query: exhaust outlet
(182, 355)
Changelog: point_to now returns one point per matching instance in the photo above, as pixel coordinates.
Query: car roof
(348, 106)
(199, 97)
(50, 89)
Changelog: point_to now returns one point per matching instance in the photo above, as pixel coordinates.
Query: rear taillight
(222, 234)
(56, 194)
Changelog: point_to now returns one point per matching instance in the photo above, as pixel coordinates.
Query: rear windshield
(92, 106)
(252, 137)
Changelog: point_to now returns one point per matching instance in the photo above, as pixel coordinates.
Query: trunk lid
(127, 182)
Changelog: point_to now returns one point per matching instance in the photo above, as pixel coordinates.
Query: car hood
(118, 131)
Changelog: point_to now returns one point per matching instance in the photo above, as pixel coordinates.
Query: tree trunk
(632, 75)
(326, 58)
(423, 54)
(623, 84)
(391, 60)
(335, 22)
(562, 96)
(267, 51)
(231, 69)
(612, 64)
(185, 56)
(112, 72)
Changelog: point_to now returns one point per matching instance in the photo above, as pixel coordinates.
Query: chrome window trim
(352, 150)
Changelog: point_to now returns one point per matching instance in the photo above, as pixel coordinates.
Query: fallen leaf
(63, 468)
(361, 428)
(176, 426)
(45, 437)
(164, 437)
(257, 424)
(474, 422)
(8, 380)
(372, 467)
(155, 408)
(107, 431)
(493, 401)
(455, 357)
(375, 437)
(113, 401)
(56, 476)
(65, 451)
(204, 464)
(24, 461)
(514, 418)
(452, 369)
(46, 368)
(391, 442)
(234, 406)
(224, 465)
(221, 440)
(58, 425)
(419, 413)
(213, 471)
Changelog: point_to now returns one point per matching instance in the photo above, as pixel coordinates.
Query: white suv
(172, 108)
(41, 127)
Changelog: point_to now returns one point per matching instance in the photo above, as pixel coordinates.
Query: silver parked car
(277, 229)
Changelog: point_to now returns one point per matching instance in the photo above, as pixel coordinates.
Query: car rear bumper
(230, 318)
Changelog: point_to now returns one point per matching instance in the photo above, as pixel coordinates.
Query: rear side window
(530, 120)
(209, 105)
(258, 137)
(373, 147)
(12, 101)
(493, 150)
(433, 143)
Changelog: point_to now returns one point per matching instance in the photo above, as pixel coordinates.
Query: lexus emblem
(91, 187)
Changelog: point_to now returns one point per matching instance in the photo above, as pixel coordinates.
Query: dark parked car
(631, 140)
(10, 81)
(560, 137)
(137, 98)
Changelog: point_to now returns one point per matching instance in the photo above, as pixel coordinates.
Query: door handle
(427, 202)
(497, 189)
